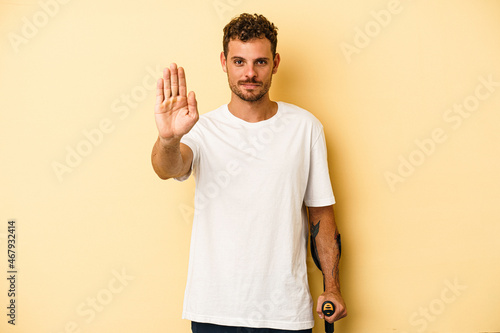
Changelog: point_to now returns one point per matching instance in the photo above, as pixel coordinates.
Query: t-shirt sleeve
(190, 140)
(319, 191)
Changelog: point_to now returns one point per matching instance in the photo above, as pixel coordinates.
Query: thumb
(192, 103)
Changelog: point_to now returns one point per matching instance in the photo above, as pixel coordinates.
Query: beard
(253, 96)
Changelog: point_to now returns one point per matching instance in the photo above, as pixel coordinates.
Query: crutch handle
(328, 310)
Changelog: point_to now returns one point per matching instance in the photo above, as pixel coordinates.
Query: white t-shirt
(247, 263)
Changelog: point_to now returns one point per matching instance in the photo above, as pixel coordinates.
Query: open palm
(175, 111)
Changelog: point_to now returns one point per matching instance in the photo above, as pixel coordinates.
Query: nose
(250, 71)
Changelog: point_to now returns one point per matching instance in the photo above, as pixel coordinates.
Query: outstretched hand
(175, 111)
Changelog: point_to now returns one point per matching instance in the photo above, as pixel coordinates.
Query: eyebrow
(238, 57)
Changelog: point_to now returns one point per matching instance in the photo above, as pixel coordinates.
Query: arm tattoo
(336, 252)
(315, 229)
(314, 249)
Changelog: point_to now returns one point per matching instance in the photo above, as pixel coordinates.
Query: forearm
(167, 159)
(325, 234)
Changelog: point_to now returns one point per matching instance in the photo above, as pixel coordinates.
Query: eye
(238, 62)
(262, 62)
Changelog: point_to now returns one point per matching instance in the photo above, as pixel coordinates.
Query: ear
(276, 62)
(223, 62)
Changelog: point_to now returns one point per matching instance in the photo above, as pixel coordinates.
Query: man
(258, 164)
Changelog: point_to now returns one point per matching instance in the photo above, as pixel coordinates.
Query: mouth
(250, 85)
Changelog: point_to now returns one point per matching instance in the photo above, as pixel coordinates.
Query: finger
(182, 82)
(159, 91)
(174, 80)
(192, 104)
(340, 313)
(166, 83)
(319, 307)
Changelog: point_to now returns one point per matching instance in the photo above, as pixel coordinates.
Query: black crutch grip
(328, 310)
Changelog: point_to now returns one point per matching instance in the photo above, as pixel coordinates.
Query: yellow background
(426, 243)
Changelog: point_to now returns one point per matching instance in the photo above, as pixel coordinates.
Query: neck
(252, 112)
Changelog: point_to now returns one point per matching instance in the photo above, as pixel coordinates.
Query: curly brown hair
(246, 27)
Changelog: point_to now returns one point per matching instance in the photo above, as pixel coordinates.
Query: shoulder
(292, 111)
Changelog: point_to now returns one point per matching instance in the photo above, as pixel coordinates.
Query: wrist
(169, 142)
(332, 289)
(332, 285)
